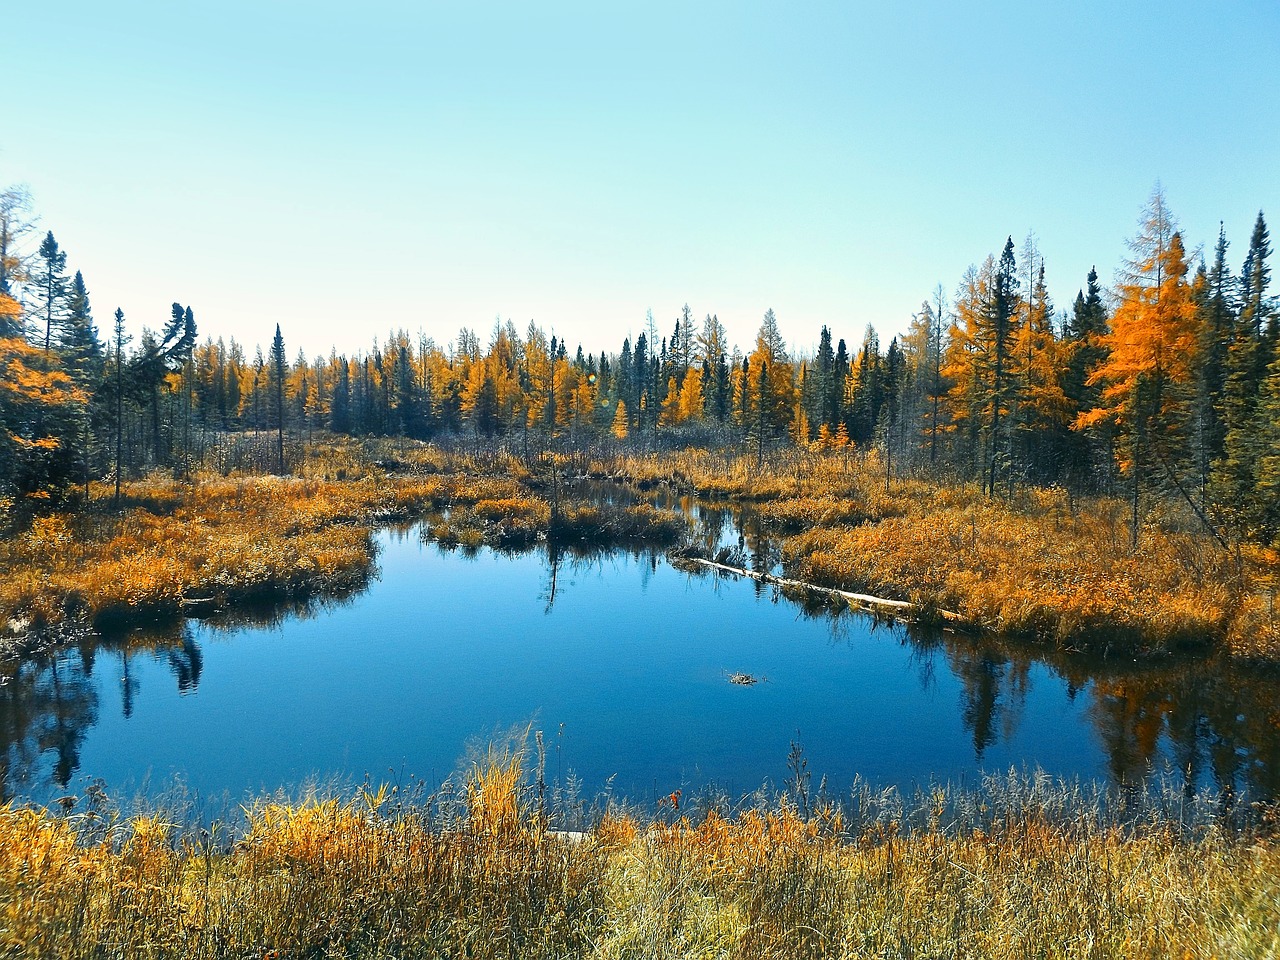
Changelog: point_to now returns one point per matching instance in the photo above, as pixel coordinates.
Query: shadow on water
(1211, 726)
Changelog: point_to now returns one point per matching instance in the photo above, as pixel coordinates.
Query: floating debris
(744, 679)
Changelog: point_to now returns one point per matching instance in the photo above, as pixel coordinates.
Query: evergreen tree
(50, 287)
(822, 406)
(1087, 450)
(78, 338)
(1234, 481)
(340, 406)
(279, 370)
(997, 334)
(1215, 320)
(118, 341)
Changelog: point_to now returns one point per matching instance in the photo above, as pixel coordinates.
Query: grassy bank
(1039, 564)
(211, 542)
(1024, 868)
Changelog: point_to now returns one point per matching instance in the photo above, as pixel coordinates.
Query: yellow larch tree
(1147, 374)
(691, 397)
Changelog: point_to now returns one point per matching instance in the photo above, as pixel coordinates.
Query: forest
(1165, 387)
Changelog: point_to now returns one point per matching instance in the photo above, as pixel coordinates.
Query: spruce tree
(50, 287)
(78, 338)
(1084, 332)
(279, 368)
(1215, 318)
(1234, 480)
(118, 388)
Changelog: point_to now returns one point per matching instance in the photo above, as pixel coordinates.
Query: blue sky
(345, 169)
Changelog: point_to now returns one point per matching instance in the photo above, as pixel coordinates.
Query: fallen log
(863, 600)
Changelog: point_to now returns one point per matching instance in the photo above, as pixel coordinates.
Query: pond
(623, 661)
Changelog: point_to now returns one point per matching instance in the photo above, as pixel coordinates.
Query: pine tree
(78, 338)
(1083, 336)
(279, 371)
(50, 289)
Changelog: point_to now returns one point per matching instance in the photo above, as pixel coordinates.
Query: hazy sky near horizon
(345, 169)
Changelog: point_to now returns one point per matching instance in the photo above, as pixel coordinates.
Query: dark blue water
(623, 662)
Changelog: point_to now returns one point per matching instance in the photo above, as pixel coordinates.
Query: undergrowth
(1024, 866)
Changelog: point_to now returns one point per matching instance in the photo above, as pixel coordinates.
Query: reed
(1022, 867)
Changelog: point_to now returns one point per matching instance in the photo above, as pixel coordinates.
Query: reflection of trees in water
(1222, 729)
(47, 705)
(574, 559)
(50, 701)
(993, 694)
(1218, 728)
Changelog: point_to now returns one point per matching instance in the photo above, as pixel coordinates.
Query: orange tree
(1147, 373)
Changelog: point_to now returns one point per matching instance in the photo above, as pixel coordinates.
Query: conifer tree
(50, 285)
(1215, 320)
(279, 370)
(1234, 482)
(118, 341)
(1087, 449)
(78, 338)
(1043, 412)
(1147, 374)
(620, 421)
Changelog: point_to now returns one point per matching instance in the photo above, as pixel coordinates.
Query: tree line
(1166, 385)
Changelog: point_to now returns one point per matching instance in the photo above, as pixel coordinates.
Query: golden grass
(219, 541)
(214, 541)
(1040, 564)
(372, 877)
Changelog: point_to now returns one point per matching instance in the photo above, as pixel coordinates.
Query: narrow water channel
(624, 663)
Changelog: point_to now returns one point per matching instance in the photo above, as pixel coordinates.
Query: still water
(622, 660)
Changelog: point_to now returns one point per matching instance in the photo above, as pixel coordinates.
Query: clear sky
(343, 169)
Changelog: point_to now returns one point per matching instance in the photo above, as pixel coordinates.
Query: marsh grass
(196, 547)
(1020, 866)
(1038, 563)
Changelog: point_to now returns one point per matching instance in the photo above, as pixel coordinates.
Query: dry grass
(206, 544)
(1040, 564)
(218, 541)
(1021, 870)
(1037, 565)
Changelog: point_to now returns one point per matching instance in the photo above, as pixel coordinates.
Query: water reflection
(1215, 727)
(47, 706)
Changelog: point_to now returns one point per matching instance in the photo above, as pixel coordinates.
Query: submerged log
(863, 600)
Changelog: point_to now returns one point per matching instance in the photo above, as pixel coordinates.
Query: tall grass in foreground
(1022, 868)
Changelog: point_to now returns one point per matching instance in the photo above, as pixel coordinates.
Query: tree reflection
(49, 701)
(47, 705)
